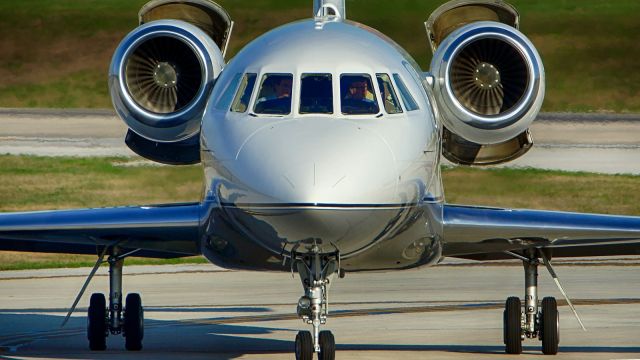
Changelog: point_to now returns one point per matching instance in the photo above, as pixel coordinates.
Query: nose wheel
(316, 272)
(305, 348)
(327, 346)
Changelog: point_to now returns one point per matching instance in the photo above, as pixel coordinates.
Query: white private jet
(321, 144)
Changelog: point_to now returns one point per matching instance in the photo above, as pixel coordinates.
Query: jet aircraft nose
(322, 161)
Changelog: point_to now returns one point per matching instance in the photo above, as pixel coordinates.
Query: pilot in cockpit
(282, 88)
(276, 98)
(359, 90)
(356, 97)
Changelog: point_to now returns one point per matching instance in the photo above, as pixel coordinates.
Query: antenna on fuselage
(329, 8)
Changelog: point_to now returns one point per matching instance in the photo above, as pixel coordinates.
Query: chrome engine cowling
(488, 82)
(160, 78)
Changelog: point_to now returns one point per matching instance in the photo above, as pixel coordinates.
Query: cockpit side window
(407, 99)
(275, 95)
(316, 94)
(388, 95)
(241, 101)
(356, 95)
(225, 100)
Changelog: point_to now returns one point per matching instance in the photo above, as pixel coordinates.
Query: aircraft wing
(163, 231)
(483, 233)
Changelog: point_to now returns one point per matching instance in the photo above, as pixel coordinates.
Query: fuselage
(295, 161)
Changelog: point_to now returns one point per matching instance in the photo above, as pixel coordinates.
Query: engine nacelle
(160, 78)
(488, 82)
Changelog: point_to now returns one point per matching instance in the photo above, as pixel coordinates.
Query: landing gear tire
(327, 346)
(512, 326)
(97, 322)
(304, 346)
(550, 329)
(133, 323)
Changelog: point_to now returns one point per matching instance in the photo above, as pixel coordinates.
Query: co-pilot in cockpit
(275, 95)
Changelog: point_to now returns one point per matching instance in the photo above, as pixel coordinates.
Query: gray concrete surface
(451, 311)
(62, 132)
(605, 143)
(600, 143)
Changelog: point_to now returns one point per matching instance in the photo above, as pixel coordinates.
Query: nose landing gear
(316, 273)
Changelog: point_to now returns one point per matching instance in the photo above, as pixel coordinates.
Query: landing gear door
(456, 13)
(212, 18)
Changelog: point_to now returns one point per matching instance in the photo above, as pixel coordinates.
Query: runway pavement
(451, 311)
(605, 143)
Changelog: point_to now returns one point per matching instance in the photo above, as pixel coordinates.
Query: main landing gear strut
(535, 320)
(104, 319)
(316, 273)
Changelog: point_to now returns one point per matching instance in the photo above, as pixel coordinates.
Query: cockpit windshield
(241, 101)
(409, 103)
(316, 95)
(357, 95)
(388, 95)
(275, 95)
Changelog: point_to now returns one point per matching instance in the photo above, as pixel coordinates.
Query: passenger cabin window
(407, 99)
(388, 95)
(241, 101)
(356, 95)
(225, 100)
(275, 95)
(316, 94)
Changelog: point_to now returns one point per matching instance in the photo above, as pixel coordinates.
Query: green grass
(38, 183)
(589, 47)
(544, 190)
(31, 261)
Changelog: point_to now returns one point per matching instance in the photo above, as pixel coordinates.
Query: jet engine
(162, 73)
(488, 81)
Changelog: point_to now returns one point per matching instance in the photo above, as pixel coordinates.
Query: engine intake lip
(490, 31)
(144, 114)
(156, 125)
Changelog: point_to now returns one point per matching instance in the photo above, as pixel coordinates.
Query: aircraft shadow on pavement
(41, 335)
(485, 349)
(190, 309)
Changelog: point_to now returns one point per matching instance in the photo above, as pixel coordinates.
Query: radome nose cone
(322, 161)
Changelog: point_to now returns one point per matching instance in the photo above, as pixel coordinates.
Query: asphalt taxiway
(451, 311)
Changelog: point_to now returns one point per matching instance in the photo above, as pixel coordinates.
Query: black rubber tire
(512, 326)
(304, 346)
(327, 346)
(549, 327)
(97, 322)
(133, 323)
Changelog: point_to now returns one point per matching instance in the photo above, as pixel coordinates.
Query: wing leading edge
(483, 233)
(170, 230)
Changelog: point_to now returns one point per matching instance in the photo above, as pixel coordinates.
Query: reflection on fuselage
(351, 181)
